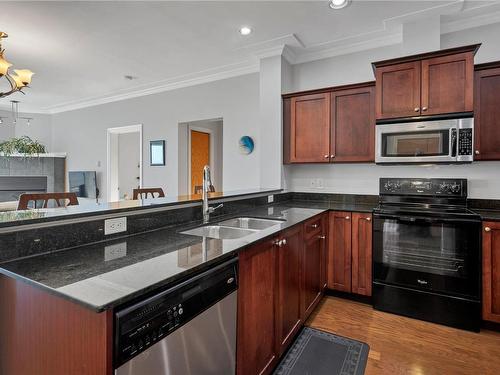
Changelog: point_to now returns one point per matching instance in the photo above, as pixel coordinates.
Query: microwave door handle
(454, 142)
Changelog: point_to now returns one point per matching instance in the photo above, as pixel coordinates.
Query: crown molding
(169, 85)
(470, 22)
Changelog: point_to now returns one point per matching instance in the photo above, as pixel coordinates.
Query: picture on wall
(157, 153)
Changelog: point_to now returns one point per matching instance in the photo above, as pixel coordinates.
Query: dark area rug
(316, 352)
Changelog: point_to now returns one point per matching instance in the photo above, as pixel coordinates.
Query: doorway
(200, 144)
(200, 156)
(124, 162)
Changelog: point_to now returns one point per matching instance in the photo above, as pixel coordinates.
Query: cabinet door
(352, 136)
(288, 304)
(362, 254)
(256, 344)
(312, 286)
(339, 251)
(487, 115)
(310, 129)
(447, 84)
(398, 90)
(491, 271)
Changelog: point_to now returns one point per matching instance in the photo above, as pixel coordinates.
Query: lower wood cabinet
(350, 252)
(289, 317)
(313, 273)
(491, 271)
(257, 292)
(281, 280)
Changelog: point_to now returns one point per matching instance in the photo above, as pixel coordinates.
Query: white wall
(484, 177)
(82, 133)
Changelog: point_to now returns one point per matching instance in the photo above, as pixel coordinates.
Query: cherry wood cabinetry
(353, 125)
(308, 130)
(339, 251)
(487, 112)
(257, 291)
(289, 316)
(281, 280)
(398, 90)
(41, 333)
(361, 251)
(426, 84)
(491, 271)
(313, 263)
(330, 125)
(350, 252)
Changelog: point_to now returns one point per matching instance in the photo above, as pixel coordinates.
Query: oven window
(439, 248)
(411, 144)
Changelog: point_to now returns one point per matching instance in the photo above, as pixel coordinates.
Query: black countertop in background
(104, 275)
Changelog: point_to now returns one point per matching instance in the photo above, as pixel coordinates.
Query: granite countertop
(493, 215)
(336, 206)
(104, 275)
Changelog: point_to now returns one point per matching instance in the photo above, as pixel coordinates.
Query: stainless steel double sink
(234, 228)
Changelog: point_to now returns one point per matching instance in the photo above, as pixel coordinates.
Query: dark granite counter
(103, 275)
(491, 215)
(335, 206)
(35, 216)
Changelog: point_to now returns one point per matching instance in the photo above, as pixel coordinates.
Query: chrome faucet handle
(212, 209)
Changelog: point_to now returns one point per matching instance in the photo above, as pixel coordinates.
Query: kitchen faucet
(207, 183)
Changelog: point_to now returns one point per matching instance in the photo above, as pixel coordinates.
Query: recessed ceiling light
(245, 30)
(339, 4)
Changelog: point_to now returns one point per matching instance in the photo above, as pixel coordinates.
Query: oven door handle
(417, 219)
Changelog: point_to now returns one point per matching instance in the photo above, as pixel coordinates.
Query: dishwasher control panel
(147, 322)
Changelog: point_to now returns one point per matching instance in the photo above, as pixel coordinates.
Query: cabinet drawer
(313, 227)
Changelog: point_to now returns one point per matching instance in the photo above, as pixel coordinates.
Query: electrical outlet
(117, 225)
(270, 198)
(118, 250)
(319, 183)
(312, 183)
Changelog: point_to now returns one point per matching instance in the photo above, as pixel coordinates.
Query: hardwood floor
(400, 345)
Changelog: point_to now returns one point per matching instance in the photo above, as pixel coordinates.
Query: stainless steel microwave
(437, 141)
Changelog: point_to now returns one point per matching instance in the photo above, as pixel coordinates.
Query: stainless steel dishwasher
(189, 329)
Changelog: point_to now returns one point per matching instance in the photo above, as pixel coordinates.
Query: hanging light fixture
(15, 114)
(17, 81)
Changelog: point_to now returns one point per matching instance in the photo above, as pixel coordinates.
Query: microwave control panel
(465, 142)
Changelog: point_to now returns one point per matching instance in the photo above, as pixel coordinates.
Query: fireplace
(11, 187)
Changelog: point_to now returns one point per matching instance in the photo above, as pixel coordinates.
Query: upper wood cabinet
(487, 112)
(352, 134)
(330, 125)
(491, 271)
(427, 84)
(308, 130)
(256, 345)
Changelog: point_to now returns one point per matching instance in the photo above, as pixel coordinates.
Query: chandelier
(17, 81)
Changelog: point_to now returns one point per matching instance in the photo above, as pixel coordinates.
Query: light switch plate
(270, 198)
(112, 226)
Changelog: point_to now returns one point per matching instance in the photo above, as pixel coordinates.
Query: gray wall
(40, 128)
(82, 133)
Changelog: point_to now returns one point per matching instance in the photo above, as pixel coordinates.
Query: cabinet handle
(487, 229)
(417, 109)
(366, 218)
(277, 243)
(283, 242)
(314, 225)
(332, 156)
(327, 156)
(347, 217)
(322, 237)
(476, 152)
(424, 109)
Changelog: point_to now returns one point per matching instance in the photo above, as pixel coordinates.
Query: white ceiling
(80, 51)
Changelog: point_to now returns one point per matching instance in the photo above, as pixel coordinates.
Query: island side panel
(47, 335)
